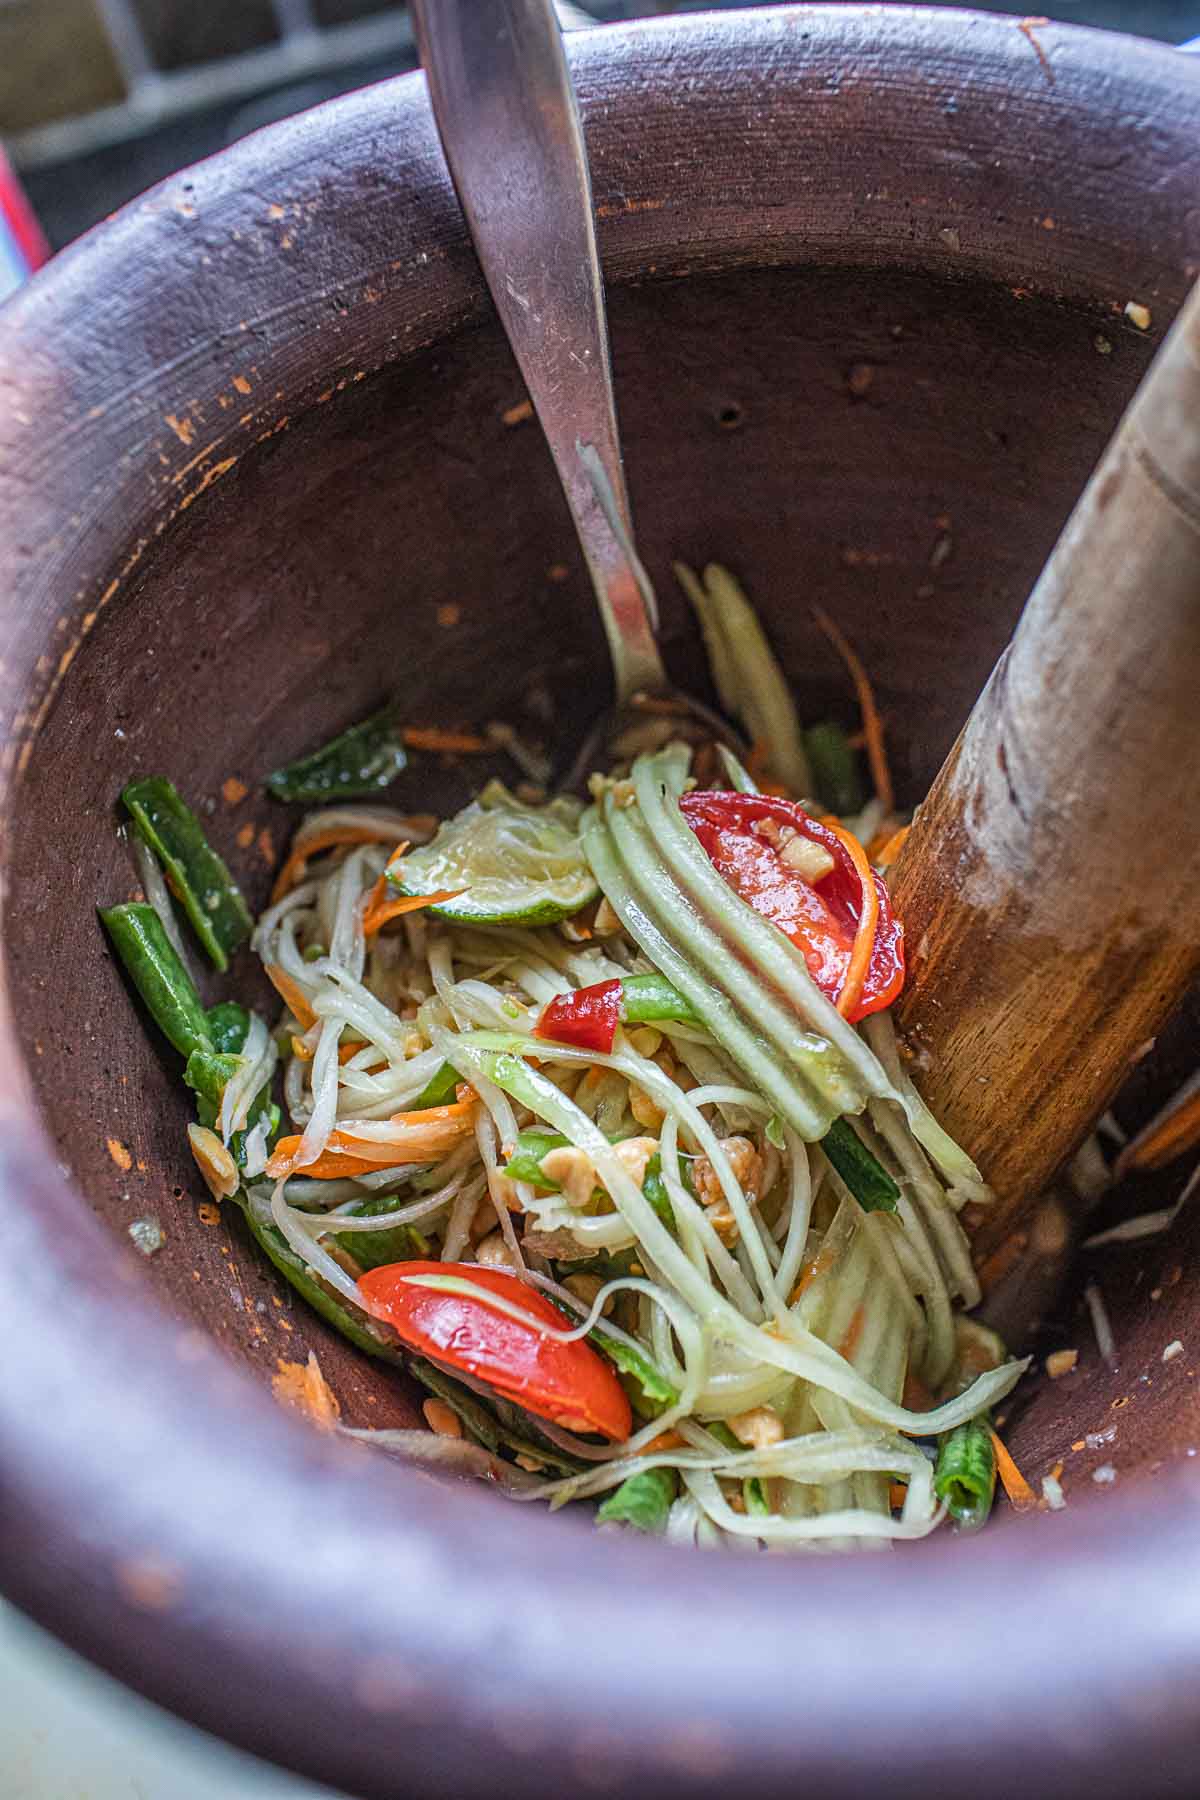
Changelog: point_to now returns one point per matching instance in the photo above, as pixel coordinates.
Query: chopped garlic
(1172, 1350)
(813, 861)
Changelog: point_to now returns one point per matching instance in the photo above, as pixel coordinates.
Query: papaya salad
(591, 1113)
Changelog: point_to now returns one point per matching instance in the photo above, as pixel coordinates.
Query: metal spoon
(506, 112)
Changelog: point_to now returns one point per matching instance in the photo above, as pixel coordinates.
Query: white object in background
(69, 1733)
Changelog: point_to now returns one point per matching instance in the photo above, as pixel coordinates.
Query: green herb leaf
(642, 1502)
(195, 873)
(363, 760)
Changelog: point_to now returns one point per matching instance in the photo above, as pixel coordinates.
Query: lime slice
(518, 865)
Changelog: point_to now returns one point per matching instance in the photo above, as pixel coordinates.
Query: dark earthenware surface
(253, 439)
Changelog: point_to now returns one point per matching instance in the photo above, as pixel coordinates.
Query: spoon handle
(505, 109)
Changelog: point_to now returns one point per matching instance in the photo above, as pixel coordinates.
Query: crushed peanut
(574, 1172)
(494, 1252)
(759, 1428)
(634, 1154)
(213, 1161)
(606, 921)
(644, 1110)
(1061, 1362)
(442, 1419)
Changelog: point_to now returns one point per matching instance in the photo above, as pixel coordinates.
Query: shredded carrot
(897, 1494)
(818, 1265)
(666, 1440)
(429, 737)
(883, 851)
(292, 995)
(881, 774)
(1169, 1134)
(337, 837)
(854, 1331)
(378, 912)
(1020, 1495)
(868, 921)
(419, 1137)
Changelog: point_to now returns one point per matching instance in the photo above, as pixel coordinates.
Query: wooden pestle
(1050, 886)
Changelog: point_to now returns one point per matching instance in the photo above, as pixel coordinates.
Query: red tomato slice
(568, 1383)
(587, 1018)
(820, 917)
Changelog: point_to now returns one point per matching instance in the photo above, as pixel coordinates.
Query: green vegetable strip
(772, 959)
(498, 1056)
(647, 998)
(195, 873)
(836, 782)
(150, 959)
(862, 1173)
(642, 1502)
(364, 759)
(965, 1477)
(621, 854)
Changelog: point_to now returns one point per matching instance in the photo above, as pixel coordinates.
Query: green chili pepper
(965, 1476)
(153, 966)
(364, 759)
(642, 1502)
(195, 873)
(862, 1173)
(834, 769)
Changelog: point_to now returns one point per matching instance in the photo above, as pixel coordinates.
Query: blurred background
(101, 98)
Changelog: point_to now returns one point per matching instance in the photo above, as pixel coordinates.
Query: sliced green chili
(153, 965)
(364, 759)
(194, 872)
